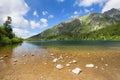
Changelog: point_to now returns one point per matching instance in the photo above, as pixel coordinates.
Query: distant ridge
(94, 26)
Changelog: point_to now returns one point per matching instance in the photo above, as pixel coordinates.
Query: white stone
(76, 70)
(45, 63)
(24, 63)
(70, 62)
(1, 58)
(55, 60)
(89, 65)
(15, 60)
(102, 59)
(59, 66)
(88, 53)
(14, 63)
(67, 65)
(24, 55)
(106, 64)
(96, 67)
(60, 57)
(52, 54)
(74, 61)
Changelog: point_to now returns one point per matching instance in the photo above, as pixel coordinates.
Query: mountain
(94, 26)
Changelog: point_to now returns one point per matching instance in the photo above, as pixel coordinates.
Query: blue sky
(31, 17)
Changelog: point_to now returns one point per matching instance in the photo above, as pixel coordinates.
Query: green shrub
(16, 40)
(5, 40)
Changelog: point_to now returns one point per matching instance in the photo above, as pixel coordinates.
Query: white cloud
(34, 24)
(40, 24)
(111, 4)
(60, 0)
(43, 22)
(87, 3)
(16, 9)
(88, 10)
(23, 32)
(44, 13)
(35, 14)
(76, 14)
(51, 16)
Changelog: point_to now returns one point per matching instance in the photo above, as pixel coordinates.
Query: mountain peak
(112, 12)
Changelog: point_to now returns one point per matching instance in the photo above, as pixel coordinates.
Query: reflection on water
(32, 60)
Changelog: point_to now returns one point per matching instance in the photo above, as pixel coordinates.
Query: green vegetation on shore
(6, 34)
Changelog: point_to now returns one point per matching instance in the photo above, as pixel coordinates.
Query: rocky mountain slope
(84, 26)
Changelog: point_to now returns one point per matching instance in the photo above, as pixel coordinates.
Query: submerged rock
(70, 62)
(76, 70)
(52, 54)
(102, 58)
(59, 66)
(89, 65)
(15, 60)
(96, 67)
(32, 55)
(74, 61)
(1, 58)
(68, 65)
(55, 60)
(24, 55)
(5, 55)
(14, 63)
(106, 64)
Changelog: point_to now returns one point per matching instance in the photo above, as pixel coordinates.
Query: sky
(30, 17)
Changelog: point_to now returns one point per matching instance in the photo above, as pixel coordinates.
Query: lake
(35, 60)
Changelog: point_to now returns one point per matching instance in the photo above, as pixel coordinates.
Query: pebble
(15, 60)
(88, 53)
(5, 55)
(102, 59)
(45, 63)
(76, 70)
(24, 63)
(14, 63)
(102, 68)
(32, 55)
(1, 58)
(74, 61)
(89, 65)
(61, 57)
(44, 56)
(52, 54)
(59, 66)
(70, 62)
(24, 55)
(106, 64)
(68, 65)
(55, 60)
(96, 67)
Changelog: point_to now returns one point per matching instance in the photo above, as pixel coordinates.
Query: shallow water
(33, 60)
